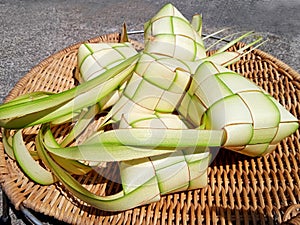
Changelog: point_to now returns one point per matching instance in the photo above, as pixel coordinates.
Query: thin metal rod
(135, 32)
(30, 216)
(216, 37)
(204, 35)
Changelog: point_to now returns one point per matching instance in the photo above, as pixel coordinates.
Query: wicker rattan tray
(241, 190)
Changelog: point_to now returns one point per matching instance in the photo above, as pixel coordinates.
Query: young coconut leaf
(98, 152)
(71, 166)
(31, 167)
(42, 110)
(144, 194)
(239, 107)
(7, 143)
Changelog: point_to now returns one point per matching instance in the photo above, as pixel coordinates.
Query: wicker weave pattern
(241, 190)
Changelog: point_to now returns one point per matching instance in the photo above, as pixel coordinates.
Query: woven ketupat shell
(241, 189)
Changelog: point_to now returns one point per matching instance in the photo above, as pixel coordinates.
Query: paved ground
(33, 30)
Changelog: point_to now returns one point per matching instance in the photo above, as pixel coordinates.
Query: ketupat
(165, 116)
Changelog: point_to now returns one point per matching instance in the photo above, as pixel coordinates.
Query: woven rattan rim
(241, 190)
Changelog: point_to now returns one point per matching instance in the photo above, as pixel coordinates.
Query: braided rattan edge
(280, 64)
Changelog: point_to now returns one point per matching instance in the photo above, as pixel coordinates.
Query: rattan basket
(241, 190)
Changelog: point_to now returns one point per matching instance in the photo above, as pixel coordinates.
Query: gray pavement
(32, 30)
